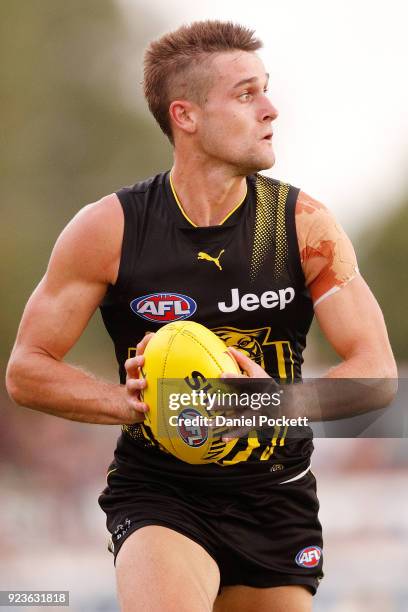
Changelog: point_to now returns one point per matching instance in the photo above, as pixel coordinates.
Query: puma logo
(207, 257)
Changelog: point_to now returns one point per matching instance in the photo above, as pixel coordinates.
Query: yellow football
(179, 360)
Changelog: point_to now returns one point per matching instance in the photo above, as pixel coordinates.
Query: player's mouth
(268, 137)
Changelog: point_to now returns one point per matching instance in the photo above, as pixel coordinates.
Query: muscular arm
(348, 315)
(84, 261)
(345, 308)
(350, 319)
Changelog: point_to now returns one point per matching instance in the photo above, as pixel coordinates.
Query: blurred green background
(69, 133)
(74, 128)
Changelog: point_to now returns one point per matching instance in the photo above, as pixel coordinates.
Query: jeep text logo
(250, 301)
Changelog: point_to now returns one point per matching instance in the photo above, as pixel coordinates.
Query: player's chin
(269, 154)
(254, 161)
(263, 162)
(268, 162)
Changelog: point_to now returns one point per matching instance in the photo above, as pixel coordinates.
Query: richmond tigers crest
(271, 355)
(250, 341)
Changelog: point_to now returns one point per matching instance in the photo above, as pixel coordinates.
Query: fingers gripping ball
(191, 353)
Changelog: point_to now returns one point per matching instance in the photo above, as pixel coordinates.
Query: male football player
(248, 256)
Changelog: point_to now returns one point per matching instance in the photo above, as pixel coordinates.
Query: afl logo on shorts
(309, 556)
(164, 307)
(193, 435)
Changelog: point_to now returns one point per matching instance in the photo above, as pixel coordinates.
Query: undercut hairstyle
(176, 66)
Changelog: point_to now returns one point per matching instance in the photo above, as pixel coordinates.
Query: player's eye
(245, 96)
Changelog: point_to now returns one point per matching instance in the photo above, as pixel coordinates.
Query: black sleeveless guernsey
(242, 279)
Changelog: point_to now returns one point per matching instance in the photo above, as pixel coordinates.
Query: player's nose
(268, 110)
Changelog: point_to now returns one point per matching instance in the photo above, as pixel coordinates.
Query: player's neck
(208, 193)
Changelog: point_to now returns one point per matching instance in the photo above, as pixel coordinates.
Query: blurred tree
(383, 259)
(383, 263)
(72, 130)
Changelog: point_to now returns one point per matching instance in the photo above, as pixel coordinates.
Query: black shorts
(260, 536)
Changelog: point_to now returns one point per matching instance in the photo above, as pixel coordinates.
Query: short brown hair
(170, 61)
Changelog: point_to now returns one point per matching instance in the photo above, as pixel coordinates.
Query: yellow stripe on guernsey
(183, 212)
(280, 348)
(292, 362)
(244, 455)
(268, 451)
(253, 442)
(282, 375)
(282, 440)
(281, 360)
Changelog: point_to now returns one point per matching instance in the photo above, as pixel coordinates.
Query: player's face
(235, 123)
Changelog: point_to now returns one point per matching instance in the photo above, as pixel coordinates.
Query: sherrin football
(192, 354)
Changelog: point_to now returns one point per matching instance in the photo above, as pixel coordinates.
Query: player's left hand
(249, 367)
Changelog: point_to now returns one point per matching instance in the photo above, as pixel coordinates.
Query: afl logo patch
(193, 435)
(309, 556)
(164, 307)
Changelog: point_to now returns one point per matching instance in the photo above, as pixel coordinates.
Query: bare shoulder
(90, 245)
(315, 223)
(306, 204)
(309, 212)
(326, 253)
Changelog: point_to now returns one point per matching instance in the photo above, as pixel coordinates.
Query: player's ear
(183, 114)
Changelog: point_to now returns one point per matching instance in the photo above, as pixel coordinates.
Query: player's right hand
(135, 383)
